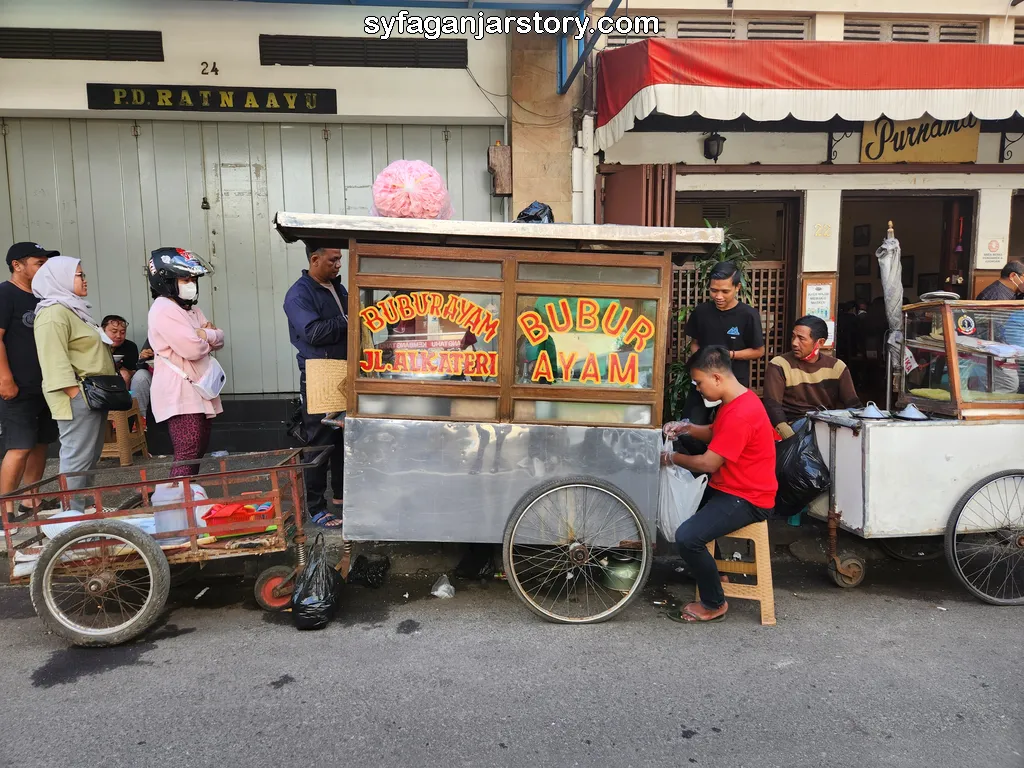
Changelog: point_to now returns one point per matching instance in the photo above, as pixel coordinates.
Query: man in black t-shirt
(133, 365)
(28, 426)
(724, 321)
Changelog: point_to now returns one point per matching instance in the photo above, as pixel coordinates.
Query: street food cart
(100, 569)
(947, 460)
(504, 385)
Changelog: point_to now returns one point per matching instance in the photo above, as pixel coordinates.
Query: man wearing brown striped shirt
(804, 379)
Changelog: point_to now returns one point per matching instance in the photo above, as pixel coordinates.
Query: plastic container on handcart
(176, 519)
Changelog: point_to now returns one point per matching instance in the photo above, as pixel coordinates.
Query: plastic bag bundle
(411, 189)
(802, 474)
(315, 597)
(536, 213)
(680, 495)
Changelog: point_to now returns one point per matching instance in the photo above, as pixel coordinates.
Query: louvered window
(723, 27)
(410, 53)
(617, 41)
(911, 31)
(81, 44)
(1018, 33)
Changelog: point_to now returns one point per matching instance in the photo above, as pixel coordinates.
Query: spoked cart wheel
(985, 539)
(576, 550)
(100, 583)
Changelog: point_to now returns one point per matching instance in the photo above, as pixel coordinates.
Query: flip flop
(678, 617)
(326, 520)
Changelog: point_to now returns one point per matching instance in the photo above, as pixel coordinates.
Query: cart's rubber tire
(521, 508)
(951, 526)
(892, 550)
(848, 562)
(155, 563)
(267, 581)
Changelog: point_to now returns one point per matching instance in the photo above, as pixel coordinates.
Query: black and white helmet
(167, 265)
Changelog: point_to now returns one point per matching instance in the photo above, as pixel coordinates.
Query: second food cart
(505, 385)
(950, 468)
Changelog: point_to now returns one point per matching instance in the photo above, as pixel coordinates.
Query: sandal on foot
(685, 617)
(326, 520)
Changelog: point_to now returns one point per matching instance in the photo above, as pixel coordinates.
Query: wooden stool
(120, 442)
(761, 568)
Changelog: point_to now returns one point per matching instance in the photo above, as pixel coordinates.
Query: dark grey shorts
(27, 422)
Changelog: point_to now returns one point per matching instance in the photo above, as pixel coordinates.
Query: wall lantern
(713, 146)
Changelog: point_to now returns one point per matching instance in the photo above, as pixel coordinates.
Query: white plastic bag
(679, 498)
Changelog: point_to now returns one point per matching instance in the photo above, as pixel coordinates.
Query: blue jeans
(719, 515)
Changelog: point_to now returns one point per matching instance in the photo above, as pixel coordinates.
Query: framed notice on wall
(818, 298)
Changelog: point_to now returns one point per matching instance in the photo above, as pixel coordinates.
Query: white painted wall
(740, 148)
(798, 182)
(92, 189)
(765, 148)
(932, 8)
(993, 228)
(820, 236)
(228, 33)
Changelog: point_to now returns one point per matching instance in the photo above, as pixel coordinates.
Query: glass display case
(520, 336)
(964, 359)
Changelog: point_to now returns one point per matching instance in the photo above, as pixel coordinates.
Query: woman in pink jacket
(182, 339)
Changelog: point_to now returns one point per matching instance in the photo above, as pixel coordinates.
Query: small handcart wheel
(985, 539)
(854, 567)
(576, 550)
(100, 583)
(280, 578)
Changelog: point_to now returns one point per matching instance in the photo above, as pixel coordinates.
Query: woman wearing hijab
(71, 347)
(182, 340)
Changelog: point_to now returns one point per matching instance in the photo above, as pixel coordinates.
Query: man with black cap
(317, 309)
(28, 426)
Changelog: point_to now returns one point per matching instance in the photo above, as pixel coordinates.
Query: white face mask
(709, 403)
(188, 291)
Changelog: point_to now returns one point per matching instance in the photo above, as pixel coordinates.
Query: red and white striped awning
(812, 81)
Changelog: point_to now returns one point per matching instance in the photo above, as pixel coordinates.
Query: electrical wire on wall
(553, 120)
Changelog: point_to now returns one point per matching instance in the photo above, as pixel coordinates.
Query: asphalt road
(875, 676)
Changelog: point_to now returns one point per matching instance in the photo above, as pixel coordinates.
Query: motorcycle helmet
(166, 265)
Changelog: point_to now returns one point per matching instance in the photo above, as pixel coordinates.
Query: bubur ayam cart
(954, 478)
(505, 385)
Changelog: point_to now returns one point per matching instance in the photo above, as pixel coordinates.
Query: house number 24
(209, 68)
(823, 230)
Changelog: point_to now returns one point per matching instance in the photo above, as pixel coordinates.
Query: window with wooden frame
(509, 336)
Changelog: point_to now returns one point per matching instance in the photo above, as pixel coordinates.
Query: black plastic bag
(476, 563)
(536, 213)
(369, 572)
(315, 597)
(802, 474)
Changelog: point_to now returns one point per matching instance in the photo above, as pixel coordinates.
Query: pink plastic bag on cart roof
(411, 189)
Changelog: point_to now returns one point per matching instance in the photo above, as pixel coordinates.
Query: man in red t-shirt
(741, 461)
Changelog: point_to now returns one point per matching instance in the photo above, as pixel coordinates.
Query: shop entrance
(936, 236)
(770, 229)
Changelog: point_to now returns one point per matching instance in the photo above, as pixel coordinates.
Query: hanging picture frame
(862, 265)
(862, 236)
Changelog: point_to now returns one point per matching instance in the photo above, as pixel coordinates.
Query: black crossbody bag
(106, 393)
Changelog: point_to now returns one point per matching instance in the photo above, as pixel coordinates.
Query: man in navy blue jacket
(317, 310)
